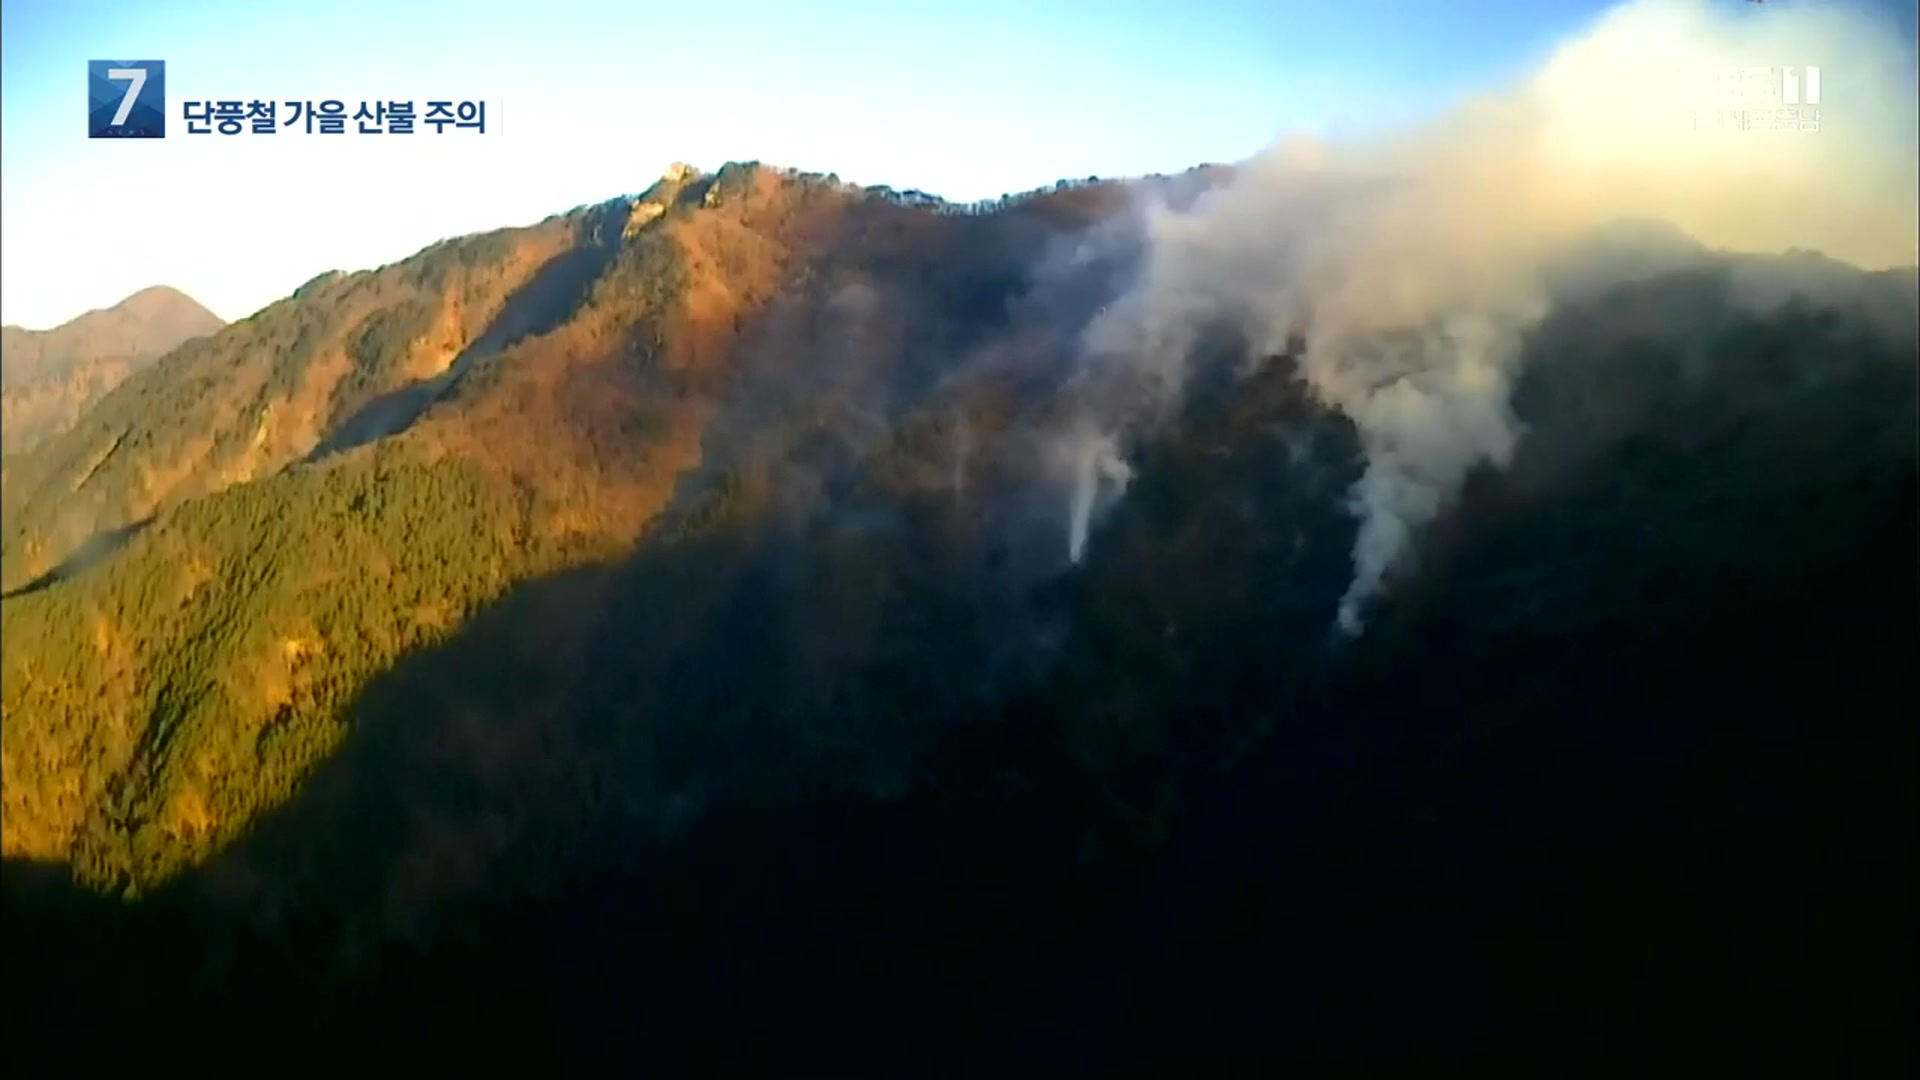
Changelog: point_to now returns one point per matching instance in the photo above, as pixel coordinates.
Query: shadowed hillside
(49, 377)
(684, 668)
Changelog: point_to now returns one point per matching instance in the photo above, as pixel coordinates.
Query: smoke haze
(1414, 265)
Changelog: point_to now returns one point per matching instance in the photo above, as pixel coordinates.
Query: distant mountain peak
(159, 294)
(51, 375)
(154, 301)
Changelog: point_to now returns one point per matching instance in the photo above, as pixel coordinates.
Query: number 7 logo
(126, 99)
(136, 78)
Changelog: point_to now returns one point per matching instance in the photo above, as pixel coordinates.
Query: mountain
(49, 377)
(541, 390)
(765, 625)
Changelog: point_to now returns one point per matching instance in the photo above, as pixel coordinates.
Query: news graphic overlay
(1783, 98)
(334, 116)
(126, 99)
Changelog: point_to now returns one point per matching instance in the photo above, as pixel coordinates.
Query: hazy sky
(590, 99)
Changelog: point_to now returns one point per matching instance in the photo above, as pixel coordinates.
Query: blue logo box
(126, 99)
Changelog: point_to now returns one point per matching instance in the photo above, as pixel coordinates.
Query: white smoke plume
(1413, 265)
(1096, 476)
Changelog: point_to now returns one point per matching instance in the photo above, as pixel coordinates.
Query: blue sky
(592, 99)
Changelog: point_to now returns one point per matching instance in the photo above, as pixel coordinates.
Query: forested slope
(690, 671)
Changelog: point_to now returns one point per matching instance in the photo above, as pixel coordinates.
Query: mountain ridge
(124, 328)
(48, 378)
(378, 337)
(661, 622)
(634, 372)
(586, 372)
